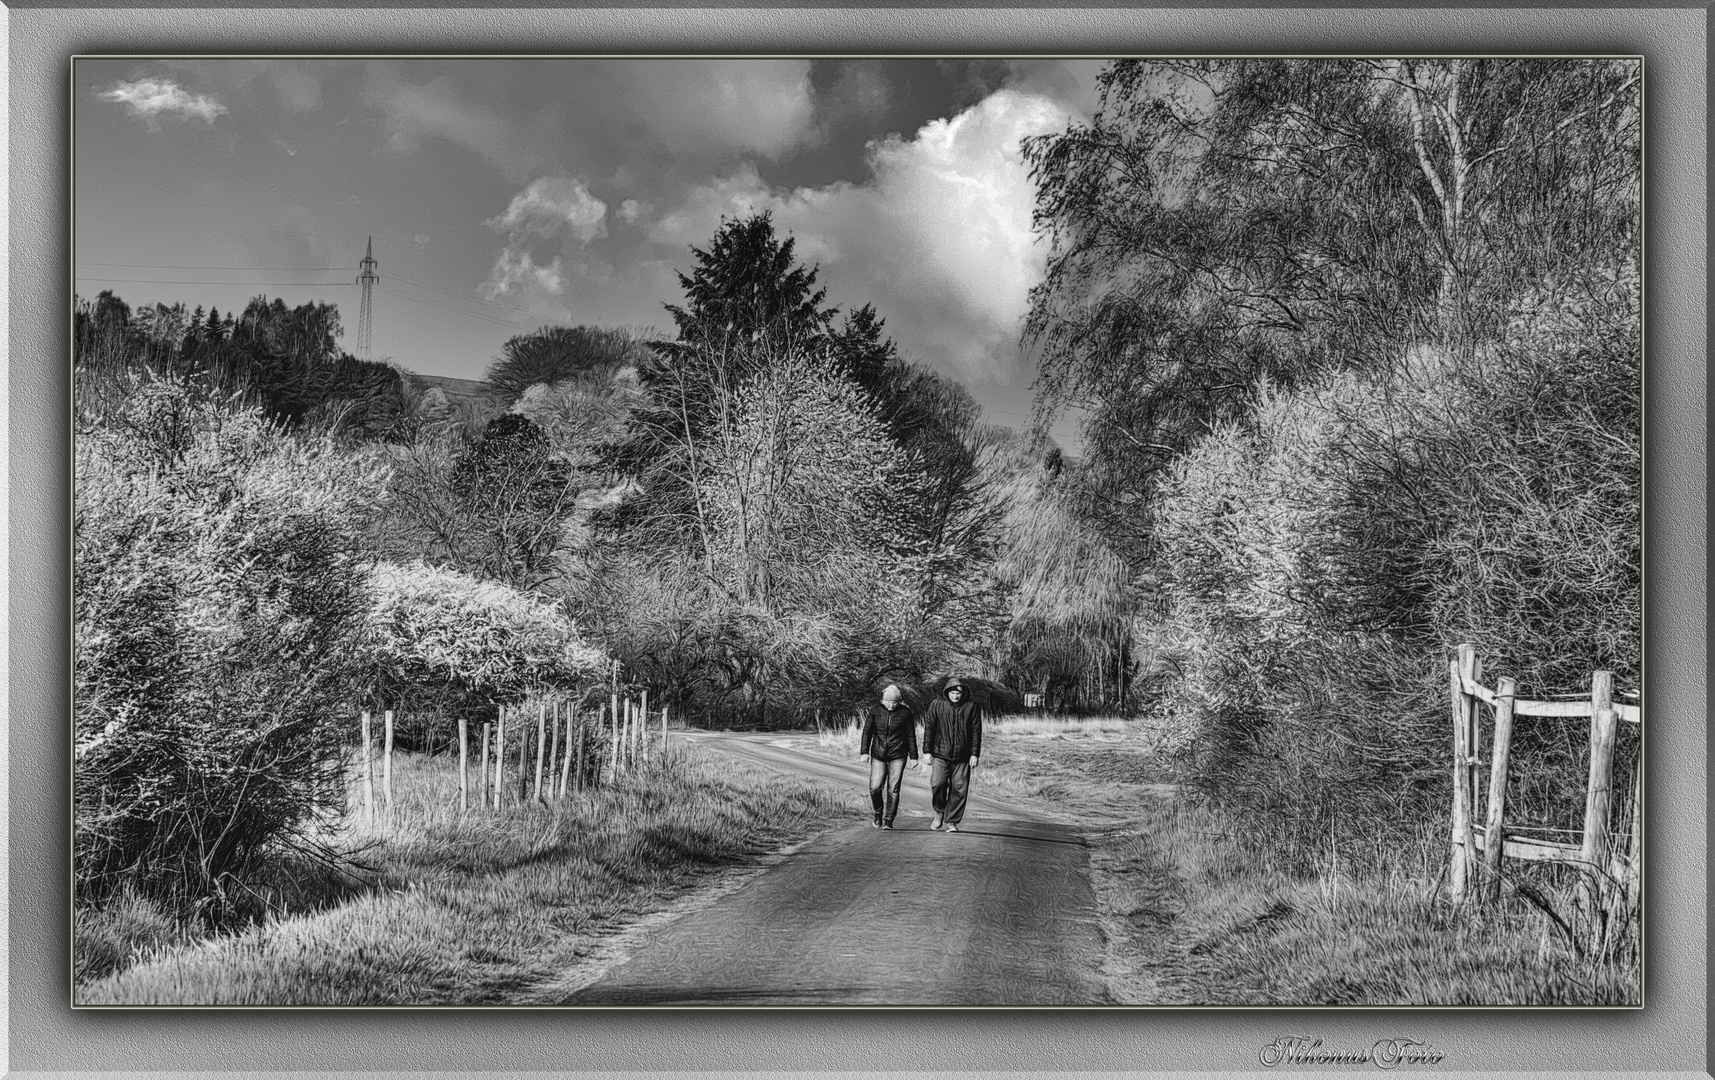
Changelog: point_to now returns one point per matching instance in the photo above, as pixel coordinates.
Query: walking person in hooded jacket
(953, 739)
(889, 737)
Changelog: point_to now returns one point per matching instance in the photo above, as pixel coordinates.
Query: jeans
(884, 780)
(949, 783)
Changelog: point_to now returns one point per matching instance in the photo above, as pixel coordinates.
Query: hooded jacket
(889, 735)
(953, 732)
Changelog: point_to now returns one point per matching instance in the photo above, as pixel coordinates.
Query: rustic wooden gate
(1596, 852)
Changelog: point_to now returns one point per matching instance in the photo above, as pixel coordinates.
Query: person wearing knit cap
(953, 739)
(889, 737)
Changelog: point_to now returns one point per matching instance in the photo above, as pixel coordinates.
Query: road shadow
(716, 995)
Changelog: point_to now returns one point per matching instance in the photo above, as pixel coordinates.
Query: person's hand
(863, 757)
(973, 763)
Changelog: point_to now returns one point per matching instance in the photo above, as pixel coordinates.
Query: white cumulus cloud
(939, 239)
(153, 99)
(551, 208)
(516, 270)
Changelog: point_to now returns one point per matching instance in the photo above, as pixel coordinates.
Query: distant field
(467, 390)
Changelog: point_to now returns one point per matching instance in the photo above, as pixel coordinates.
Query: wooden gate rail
(1595, 851)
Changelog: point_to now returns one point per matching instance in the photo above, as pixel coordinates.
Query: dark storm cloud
(860, 91)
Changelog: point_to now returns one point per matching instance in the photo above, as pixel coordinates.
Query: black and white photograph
(858, 531)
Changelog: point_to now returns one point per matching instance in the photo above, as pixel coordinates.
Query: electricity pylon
(366, 311)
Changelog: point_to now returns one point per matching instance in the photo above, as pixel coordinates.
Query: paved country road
(1000, 913)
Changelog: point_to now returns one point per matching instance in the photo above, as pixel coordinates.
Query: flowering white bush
(219, 598)
(443, 628)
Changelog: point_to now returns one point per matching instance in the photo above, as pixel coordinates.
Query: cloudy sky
(503, 194)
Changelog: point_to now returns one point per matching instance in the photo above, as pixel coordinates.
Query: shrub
(1322, 560)
(556, 354)
(434, 628)
(219, 609)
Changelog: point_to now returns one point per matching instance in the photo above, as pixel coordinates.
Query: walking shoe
(875, 823)
(887, 827)
(951, 827)
(936, 823)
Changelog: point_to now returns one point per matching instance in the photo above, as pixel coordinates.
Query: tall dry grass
(483, 908)
(1201, 907)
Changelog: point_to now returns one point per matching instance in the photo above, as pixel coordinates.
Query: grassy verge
(1199, 908)
(1207, 911)
(485, 908)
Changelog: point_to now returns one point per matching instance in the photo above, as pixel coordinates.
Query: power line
(452, 311)
(342, 283)
(206, 266)
(277, 270)
(177, 281)
(471, 299)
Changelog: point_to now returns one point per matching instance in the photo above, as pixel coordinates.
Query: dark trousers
(884, 780)
(949, 783)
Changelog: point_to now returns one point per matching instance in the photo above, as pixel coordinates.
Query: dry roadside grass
(1201, 909)
(1195, 909)
(483, 909)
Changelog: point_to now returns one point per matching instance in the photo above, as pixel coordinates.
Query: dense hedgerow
(230, 619)
(220, 605)
(1323, 559)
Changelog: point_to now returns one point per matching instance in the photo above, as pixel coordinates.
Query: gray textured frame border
(43, 1035)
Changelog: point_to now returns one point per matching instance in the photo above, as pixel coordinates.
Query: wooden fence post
(643, 724)
(554, 769)
(1463, 835)
(368, 768)
(1635, 867)
(464, 765)
(663, 730)
(578, 772)
(1598, 793)
(565, 756)
(613, 748)
(573, 722)
(482, 766)
(387, 760)
(499, 756)
(1473, 707)
(614, 705)
(523, 760)
(541, 744)
(1506, 689)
